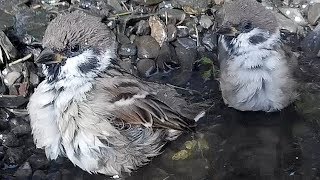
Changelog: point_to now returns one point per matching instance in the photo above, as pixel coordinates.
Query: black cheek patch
(257, 39)
(90, 65)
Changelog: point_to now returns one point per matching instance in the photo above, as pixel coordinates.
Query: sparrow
(256, 73)
(102, 118)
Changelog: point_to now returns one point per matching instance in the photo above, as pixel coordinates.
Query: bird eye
(247, 25)
(75, 48)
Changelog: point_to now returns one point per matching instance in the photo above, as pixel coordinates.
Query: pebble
(127, 50)
(194, 6)
(287, 24)
(146, 67)
(147, 46)
(166, 55)
(182, 31)
(314, 13)
(148, 2)
(6, 21)
(171, 32)
(38, 175)
(38, 161)
(24, 171)
(123, 39)
(54, 176)
(210, 41)
(4, 120)
(34, 79)
(172, 14)
(21, 130)
(205, 21)
(9, 140)
(12, 77)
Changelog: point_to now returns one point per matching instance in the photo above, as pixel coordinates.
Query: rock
(295, 15)
(287, 24)
(2, 152)
(205, 21)
(54, 176)
(16, 121)
(9, 51)
(147, 46)
(34, 79)
(12, 101)
(9, 140)
(167, 57)
(127, 50)
(38, 161)
(148, 2)
(210, 41)
(24, 171)
(21, 130)
(127, 65)
(3, 88)
(182, 31)
(194, 6)
(6, 21)
(143, 28)
(314, 13)
(4, 120)
(145, 67)
(218, 2)
(14, 156)
(39, 175)
(310, 45)
(158, 29)
(172, 14)
(171, 32)
(11, 6)
(12, 77)
(187, 43)
(123, 39)
(20, 67)
(169, 5)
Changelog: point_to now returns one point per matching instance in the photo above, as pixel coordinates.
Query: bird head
(247, 22)
(76, 45)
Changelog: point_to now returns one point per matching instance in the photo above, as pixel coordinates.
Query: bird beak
(47, 56)
(228, 31)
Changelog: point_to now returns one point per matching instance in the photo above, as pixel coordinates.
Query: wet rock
(12, 77)
(311, 43)
(187, 43)
(16, 121)
(314, 13)
(143, 28)
(148, 2)
(182, 31)
(145, 67)
(295, 15)
(24, 171)
(12, 101)
(158, 29)
(123, 39)
(38, 175)
(21, 130)
(38, 161)
(172, 14)
(166, 56)
(54, 176)
(171, 32)
(205, 21)
(127, 50)
(127, 65)
(9, 140)
(147, 46)
(210, 41)
(14, 156)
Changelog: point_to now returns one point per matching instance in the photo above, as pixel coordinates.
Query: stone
(194, 6)
(172, 14)
(13, 101)
(34, 79)
(143, 28)
(145, 67)
(39, 175)
(210, 41)
(9, 51)
(171, 32)
(147, 46)
(14, 156)
(123, 39)
(314, 13)
(54, 176)
(4, 120)
(2, 152)
(166, 56)
(12, 77)
(187, 43)
(21, 130)
(9, 140)
(310, 45)
(182, 31)
(148, 2)
(38, 161)
(24, 171)
(3, 88)
(294, 14)
(287, 24)
(127, 50)
(205, 21)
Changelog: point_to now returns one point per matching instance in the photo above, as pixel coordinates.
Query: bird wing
(135, 102)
